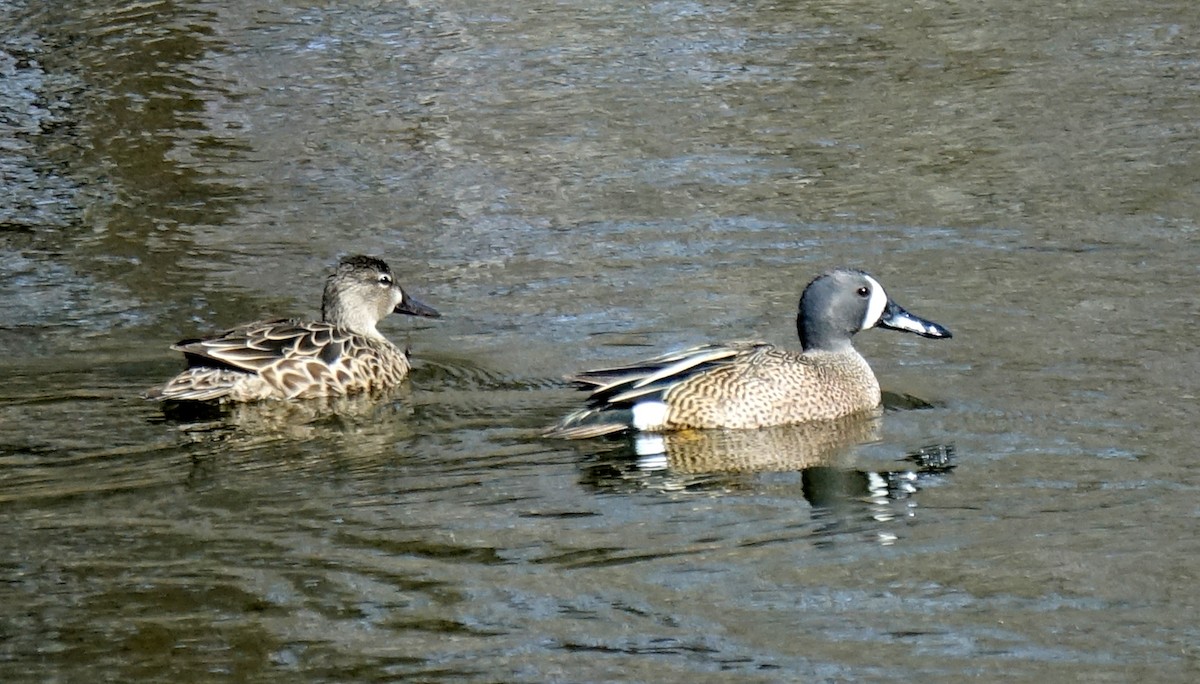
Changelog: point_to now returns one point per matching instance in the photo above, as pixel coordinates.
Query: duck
(753, 384)
(288, 358)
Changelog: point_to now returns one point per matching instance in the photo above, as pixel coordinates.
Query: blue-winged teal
(342, 354)
(753, 384)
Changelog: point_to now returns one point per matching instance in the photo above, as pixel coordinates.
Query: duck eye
(385, 279)
(863, 291)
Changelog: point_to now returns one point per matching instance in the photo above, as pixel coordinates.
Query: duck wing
(648, 379)
(254, 347)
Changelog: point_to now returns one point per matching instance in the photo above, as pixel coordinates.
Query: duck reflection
(773, 449)
(370, 421)
(819, 455)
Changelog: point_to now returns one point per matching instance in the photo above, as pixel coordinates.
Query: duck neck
(335, 312)
(818, 335)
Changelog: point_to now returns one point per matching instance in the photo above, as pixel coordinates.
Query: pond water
(574, 185)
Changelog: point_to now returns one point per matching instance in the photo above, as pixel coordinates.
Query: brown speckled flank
(745, 385)
(296, 359)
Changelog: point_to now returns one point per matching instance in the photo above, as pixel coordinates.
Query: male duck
(753, 384)
(342, 354)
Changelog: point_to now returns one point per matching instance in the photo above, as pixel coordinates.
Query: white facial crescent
(875, 305)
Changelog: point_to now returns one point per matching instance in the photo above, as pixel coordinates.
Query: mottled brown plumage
(745, 385)
(342, 354)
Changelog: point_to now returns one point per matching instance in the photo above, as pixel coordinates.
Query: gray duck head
(838, 304)
(362, 291)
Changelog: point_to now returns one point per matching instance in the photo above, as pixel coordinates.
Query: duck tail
(589, 423)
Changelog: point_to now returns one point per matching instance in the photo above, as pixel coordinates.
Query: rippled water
(574, 186)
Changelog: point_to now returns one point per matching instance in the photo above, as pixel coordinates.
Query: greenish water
(574, 186)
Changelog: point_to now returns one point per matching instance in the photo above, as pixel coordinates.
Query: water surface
(574, 186)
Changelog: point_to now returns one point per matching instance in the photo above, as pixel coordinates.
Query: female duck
(342, 354)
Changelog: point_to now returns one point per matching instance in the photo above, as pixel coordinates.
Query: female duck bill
(414, 307)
